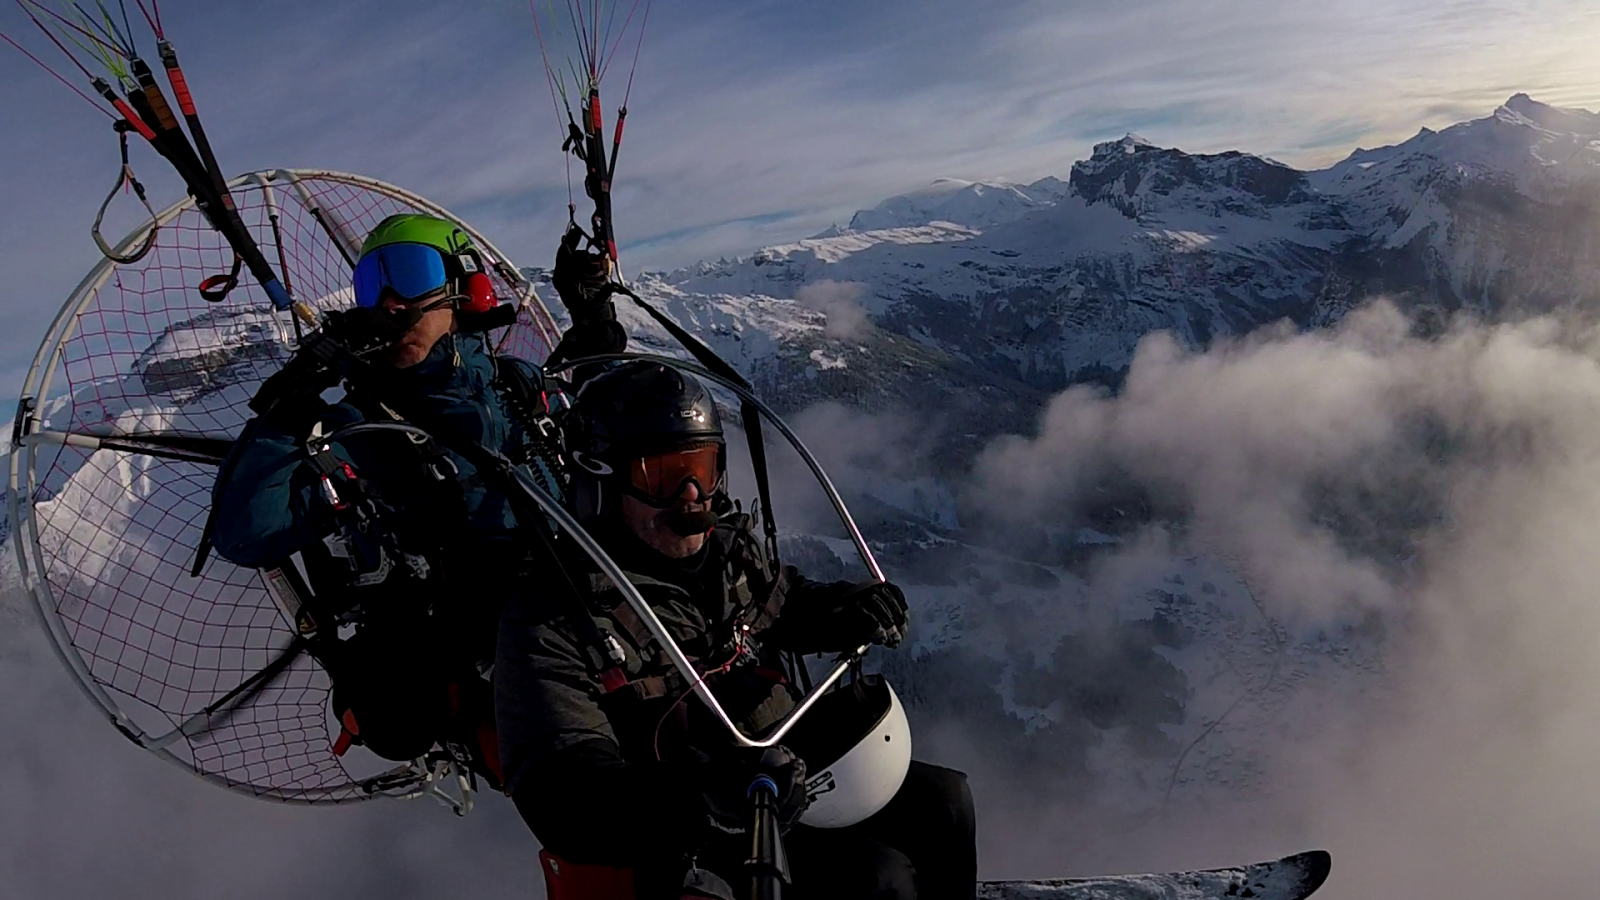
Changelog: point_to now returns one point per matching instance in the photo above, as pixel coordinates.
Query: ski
(1290, 878)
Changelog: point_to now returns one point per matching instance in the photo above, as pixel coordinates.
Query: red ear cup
(480, 294)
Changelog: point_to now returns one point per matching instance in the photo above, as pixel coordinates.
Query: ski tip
(1314, 866)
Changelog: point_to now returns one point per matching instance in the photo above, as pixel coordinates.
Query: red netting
(116, 532)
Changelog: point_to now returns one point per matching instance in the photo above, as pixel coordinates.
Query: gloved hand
(727, 784)
(366, 330)
(842, 617)
(289, 399)
(590, 339)
(583, 281)
(876, 613)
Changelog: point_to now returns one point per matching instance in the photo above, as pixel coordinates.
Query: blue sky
(761, 121)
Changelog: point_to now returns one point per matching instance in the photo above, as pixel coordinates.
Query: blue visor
(411, 271)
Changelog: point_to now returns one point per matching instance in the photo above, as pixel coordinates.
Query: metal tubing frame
(648, 615)
(744, 393)
(41, 374)
(36, 388)
(271, 198)
(630, 594)
(131, 443)
(659, 631)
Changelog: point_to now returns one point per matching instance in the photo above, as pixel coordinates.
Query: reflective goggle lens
(664, 475)
(410, 270)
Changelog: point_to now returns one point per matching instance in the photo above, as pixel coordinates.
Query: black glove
(583, 281)
(590, 339)
(728, 779)
(367, 330)
(875, 613)
(290, 399)
(842, 617)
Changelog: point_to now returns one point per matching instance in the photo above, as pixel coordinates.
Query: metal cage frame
(27, 436)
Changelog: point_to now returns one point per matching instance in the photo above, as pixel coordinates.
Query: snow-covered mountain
(974, 204)
(1054, 282)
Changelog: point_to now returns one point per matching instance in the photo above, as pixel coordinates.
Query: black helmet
(643, 407)
(635, 410)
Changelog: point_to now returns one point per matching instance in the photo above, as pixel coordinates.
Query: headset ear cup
(480, 294)
(588, 497)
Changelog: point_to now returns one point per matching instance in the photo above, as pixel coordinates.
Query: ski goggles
(410, 271)
(661, 477)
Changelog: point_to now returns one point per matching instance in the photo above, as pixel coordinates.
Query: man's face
(415, 345)
(652, 525)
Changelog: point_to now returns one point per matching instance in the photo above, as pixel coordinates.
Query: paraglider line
(74, 26)
(594, 36)
(575, 12)
(155, 23)
(544, 56)
(111, 25)
(612, 53)
(54, 40)
(74, 88)
(126, 25)
(89, 20)
(611, 20)
(551, 81)
(628, 91)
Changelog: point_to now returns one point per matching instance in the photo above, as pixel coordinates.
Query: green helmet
(469, 288)
(419, 228)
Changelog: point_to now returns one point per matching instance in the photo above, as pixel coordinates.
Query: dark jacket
(577, 755)
(432, 505)
(269, 506)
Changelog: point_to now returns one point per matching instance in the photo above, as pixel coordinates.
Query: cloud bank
(1440, 494)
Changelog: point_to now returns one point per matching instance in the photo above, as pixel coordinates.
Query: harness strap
(125, 177)
(650, 687)
(762, 616)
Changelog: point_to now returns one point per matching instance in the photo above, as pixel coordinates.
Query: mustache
(687, 523)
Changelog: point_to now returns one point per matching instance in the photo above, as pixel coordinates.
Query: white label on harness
(282, 590)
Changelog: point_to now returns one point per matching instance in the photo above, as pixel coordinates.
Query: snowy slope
(1496, 215)
(1060, 290)
(973, 204)
(1055, 282)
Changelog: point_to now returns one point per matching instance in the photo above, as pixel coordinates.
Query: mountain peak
(1521, 102)
(1523, 109)
(973, 204)
(1136, 177)
(1128, 145)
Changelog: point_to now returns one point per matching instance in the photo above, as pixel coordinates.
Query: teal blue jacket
(270, 505)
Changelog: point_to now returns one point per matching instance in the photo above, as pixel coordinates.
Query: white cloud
(1451, 488)
(840, 302)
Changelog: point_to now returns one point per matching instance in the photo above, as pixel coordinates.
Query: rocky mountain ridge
(1054, 283)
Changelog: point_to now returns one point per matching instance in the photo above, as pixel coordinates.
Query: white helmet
(857, 746)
